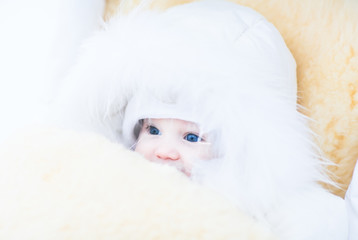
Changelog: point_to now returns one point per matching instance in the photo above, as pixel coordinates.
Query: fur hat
(229, 67)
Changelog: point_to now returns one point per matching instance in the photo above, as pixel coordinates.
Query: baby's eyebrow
(194, 130)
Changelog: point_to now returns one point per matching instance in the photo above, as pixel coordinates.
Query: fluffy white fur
(266, 162)
(57, 184)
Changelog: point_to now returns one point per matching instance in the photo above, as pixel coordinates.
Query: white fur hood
(231, 67)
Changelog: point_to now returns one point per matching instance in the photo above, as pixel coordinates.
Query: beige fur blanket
(57, 184)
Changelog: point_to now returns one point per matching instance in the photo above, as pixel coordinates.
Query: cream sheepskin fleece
(322, 36)
(62, 185)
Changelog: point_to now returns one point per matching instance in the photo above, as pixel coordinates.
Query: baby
(166, 133)
(174, 142)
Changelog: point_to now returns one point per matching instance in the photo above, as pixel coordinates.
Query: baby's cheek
(143, 148)
(199, 153)
(205, 153)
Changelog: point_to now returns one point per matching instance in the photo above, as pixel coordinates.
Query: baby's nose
(167, 153)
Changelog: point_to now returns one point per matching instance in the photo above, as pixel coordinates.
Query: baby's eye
(191, 137)
(153, 130)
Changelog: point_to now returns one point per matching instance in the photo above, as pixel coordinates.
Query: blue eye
(192, 137)
(153, 130)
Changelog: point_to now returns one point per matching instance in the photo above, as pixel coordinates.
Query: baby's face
(174, 142)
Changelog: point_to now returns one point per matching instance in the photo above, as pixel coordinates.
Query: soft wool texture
(322, 37)
(57, 184)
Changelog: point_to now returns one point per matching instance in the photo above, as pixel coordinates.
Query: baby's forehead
(172, 122)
